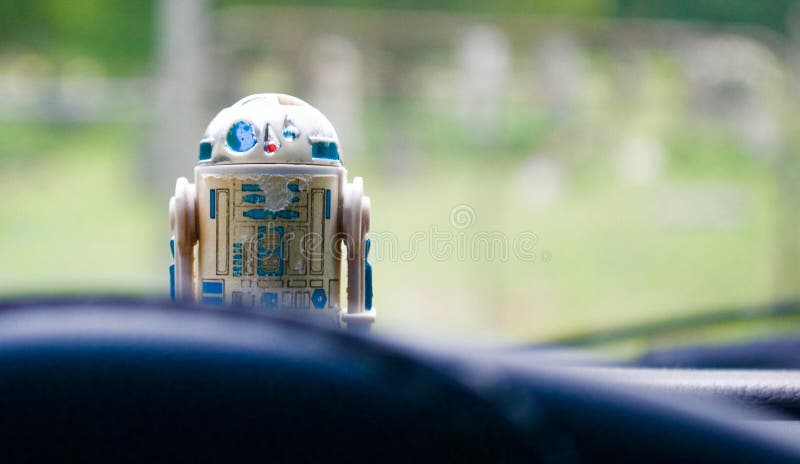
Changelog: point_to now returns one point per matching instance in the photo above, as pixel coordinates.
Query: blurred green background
(644, 152)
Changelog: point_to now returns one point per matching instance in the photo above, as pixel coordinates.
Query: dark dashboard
(141, 379)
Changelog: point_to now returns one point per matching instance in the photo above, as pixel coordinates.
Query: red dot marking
(271, 147)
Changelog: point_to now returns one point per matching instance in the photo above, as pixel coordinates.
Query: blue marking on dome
(205, 151)
(241, 137)
(325, 150)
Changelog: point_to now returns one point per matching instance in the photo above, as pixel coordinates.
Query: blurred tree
(118, 33)
(770, 14)
(121, 33)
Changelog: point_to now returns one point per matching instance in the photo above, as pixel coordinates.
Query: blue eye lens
(241, 137)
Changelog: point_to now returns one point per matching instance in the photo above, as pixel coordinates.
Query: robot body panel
(269, 236)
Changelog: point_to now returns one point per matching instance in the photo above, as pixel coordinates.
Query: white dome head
(270, 128)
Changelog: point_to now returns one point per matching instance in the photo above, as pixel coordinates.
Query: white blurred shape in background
(336, 87)
(729, 77)
(484, 71)
(539, 181)
(181, 106)
(560, 65)
(640, 161)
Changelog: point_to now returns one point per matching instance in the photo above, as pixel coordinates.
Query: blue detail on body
(172, 270)
(267, 214)
(254, 198)
(327, 204)
(205, 151)
(325, 150)
(295, 200)
(264, 252)
(293, 187)
(237, 259)
(319, 298)
(213, 287)
(250, 188)
(212, 203)
(367, 278)
(213, 292)
(241, 137)
(269, 300)
(172, 282)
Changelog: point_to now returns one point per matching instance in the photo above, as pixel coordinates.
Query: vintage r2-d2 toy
(268, 213)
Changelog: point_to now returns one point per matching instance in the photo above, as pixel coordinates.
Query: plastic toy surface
(268, 215)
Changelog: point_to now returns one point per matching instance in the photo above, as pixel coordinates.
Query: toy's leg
(356, 217)
(182, 209)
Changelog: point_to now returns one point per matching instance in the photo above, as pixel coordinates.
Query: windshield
(534, 174)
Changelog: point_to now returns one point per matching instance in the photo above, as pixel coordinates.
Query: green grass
(612, 261)
(76, 219)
